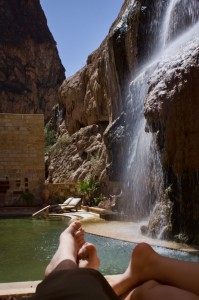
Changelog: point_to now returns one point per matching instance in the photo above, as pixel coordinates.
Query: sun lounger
(68, 205)
(67, 201)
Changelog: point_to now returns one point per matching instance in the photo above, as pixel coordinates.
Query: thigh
(153, 290)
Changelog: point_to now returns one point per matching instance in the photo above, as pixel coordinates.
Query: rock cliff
(94, 98)
(171, 109)
(95, 95)
(30, 69)
(101, 111)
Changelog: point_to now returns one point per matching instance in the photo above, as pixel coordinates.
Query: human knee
(149, 284)
(142, 291)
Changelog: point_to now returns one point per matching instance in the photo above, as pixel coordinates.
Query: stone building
(22, 173)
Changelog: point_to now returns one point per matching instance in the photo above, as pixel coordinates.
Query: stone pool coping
(18, 288)
(26, 288)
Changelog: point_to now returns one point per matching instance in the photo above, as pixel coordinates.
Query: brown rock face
(30, 69)
(172, 110)
(102, 103)
(95, 94)
(79, 156)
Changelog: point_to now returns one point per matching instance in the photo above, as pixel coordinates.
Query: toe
(90, 248)
(79, 238)
(73, 227)
(82, 254)
(87, 250)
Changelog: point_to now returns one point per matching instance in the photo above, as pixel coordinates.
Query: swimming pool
(27, 245)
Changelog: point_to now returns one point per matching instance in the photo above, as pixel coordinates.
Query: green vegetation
(95, 158)
(98, 199)
(26, 199)
(62, 142)
(50, 137)
(88, 188)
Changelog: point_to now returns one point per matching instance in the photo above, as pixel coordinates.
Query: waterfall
(59, 116)
(180, 15)
(143, 178)
(139, 149)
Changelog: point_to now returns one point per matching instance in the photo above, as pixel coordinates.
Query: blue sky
(79, 27)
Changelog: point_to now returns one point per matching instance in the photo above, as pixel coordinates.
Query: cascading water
(139, 159)
(180, 15)
(59, 113)
(143, 179)
(59, 116)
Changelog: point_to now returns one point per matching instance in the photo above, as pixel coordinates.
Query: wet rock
(171, 109)
(144, 229)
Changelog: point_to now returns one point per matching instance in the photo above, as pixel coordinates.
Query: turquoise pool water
(27, 245)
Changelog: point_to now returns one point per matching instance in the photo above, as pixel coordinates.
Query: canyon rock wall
(172, 109)
(95, 96)
(96, 93)
(95, 101)
(30, 69)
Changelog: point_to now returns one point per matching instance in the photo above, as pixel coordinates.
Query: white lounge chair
(68, 205)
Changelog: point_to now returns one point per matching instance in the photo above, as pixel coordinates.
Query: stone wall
(21, 159)
(59, 192)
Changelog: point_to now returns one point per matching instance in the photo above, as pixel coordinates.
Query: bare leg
(146, 264)
(71, 269)
(153, 290)
(88, 258)
(70, 242)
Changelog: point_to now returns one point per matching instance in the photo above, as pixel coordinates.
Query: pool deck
(93, 224)
(121, 230)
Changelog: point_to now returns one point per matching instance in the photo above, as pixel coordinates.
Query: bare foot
(139, 270)
(70, 242)
(88, 257)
